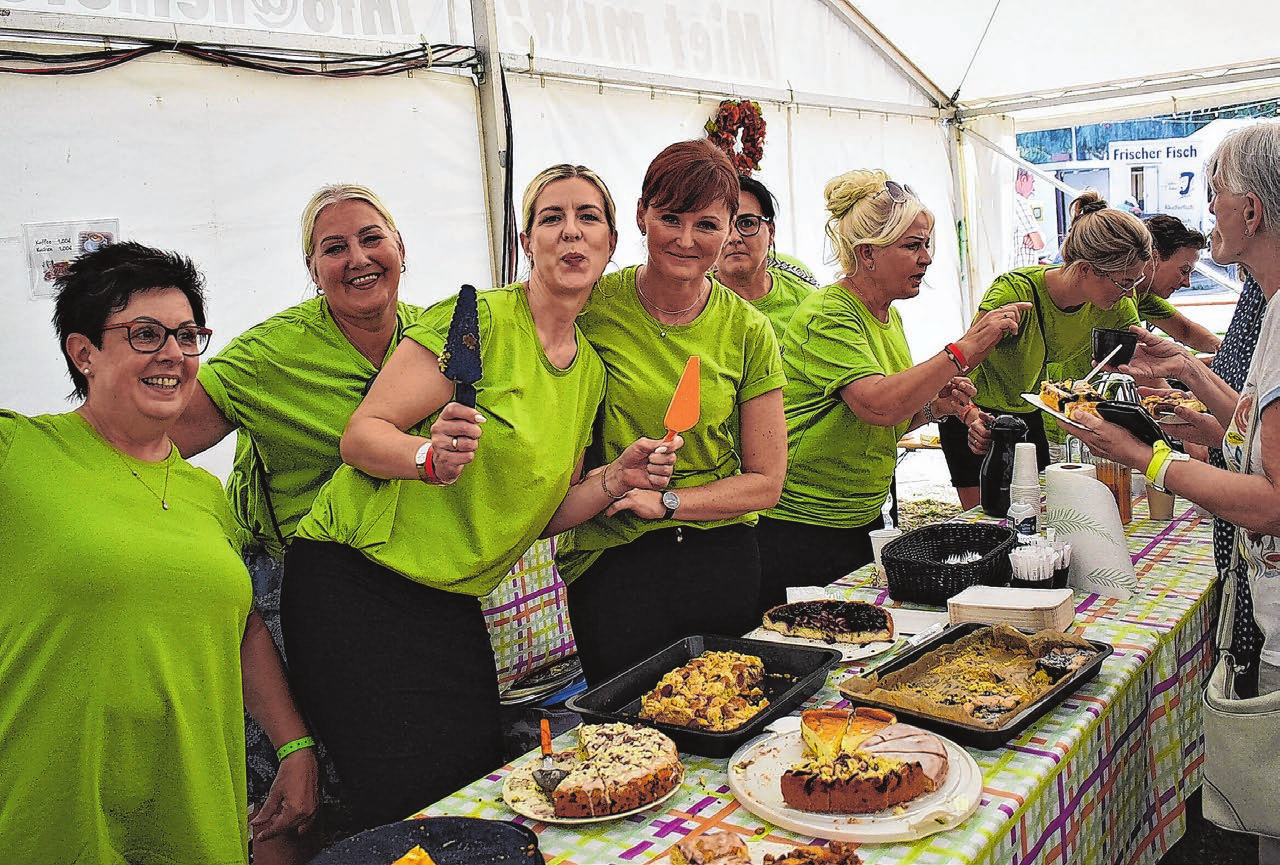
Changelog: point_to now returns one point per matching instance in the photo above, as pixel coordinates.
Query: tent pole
(495, 161)
(960, 194)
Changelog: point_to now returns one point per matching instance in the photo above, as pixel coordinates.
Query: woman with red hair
(657, 566)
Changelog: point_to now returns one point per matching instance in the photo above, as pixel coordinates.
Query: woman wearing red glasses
(1104, 256)
(128, 641)
(852, 390)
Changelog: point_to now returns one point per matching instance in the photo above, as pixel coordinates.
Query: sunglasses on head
(898, 192)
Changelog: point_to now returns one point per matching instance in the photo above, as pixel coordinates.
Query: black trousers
(639, 598)
(800, 554)
(397, 678)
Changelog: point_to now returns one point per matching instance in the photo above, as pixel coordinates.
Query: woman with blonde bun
(1105, 257)
(852, 389)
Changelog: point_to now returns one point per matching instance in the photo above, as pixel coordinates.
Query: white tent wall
(218, 163)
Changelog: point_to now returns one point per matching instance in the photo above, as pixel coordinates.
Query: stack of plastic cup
(1025, 486)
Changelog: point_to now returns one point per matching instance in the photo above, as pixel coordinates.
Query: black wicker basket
(914, 564)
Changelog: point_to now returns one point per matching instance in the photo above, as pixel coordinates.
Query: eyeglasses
(148, 337)
(898, 192)
(748, 225)
(1131, 286)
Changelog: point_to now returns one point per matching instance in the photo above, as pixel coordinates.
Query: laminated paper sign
(50, 246)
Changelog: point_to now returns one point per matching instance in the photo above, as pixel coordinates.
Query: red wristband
(964, 415)
(957, 357)
(427, 469)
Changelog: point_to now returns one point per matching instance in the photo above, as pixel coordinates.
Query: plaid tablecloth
(1101, 778)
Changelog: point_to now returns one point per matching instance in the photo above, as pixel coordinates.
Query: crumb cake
(716, 691)
(834, 853)
(832, 621)
(621, 767)
(719, 847)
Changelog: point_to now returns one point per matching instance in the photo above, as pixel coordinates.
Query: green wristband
(296, 745)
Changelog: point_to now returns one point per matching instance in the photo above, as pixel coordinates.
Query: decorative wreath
(732, 118)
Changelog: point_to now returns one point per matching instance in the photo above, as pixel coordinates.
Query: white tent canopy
(218, 162)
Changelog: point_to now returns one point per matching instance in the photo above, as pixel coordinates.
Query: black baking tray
(792, 673)
(448, 840)
(977, 736)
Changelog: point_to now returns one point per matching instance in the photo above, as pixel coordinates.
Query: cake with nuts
(620, 767)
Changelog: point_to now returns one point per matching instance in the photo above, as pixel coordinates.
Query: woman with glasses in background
(852, 390)
(128, 639)
(749, 265)
(1105, 257)
(288, 386)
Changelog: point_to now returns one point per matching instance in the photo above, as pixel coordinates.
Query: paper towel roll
(1083, 512)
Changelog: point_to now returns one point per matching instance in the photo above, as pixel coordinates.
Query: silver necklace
(163, 498)
(677, 313)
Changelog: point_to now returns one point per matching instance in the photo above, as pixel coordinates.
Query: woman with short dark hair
(128, 640)
(657, 566)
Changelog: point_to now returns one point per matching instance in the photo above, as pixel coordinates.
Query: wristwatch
(670, 501)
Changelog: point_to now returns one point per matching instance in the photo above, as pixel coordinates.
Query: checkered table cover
(1103, 777)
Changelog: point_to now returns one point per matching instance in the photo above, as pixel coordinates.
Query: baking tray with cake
(791, 674)
(990, 715)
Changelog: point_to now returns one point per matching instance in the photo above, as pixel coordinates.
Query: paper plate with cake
(856, 628)
(617, 770)
(856, 775)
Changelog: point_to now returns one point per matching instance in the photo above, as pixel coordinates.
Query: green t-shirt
(739, 361)
(464, 538)
(289, 385)
(783, 298)
(121, 715)
(1152, 307)
(1062, 349)
(839, 467)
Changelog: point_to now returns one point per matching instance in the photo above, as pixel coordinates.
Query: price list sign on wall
(50, 247)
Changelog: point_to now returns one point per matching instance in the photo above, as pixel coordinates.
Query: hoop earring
(403, 265)
(1248, 233)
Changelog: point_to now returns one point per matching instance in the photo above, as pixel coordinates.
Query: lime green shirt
(121, 715)
(289, 385)
(1152, 307)
(1062, 349)
(783, 298)
(464, 538)
(839, 467)
(739, 361)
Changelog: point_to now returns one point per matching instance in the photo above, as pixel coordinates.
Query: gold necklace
(163, 498)
(677, 313)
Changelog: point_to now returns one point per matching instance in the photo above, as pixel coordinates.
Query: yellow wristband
(296, 745)
(1159, 456)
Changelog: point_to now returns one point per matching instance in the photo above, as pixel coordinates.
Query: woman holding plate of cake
(852, 390)
(1105, 258)
(1244, 179)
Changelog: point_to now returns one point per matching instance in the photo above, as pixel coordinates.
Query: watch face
(670, 500)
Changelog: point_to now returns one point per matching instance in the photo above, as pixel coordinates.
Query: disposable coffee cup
(1026, 471)
(880, 537)
(1160, 504)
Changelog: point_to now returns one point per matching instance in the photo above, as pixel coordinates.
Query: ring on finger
(455, 443)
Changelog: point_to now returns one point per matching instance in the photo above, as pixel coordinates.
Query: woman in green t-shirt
(749, 266)
(386, 637)
(128, 641)
(656, 567)
(1105, 257)
(852, 390)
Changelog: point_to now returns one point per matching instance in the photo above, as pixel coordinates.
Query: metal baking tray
(792, 673)
(978, 736)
